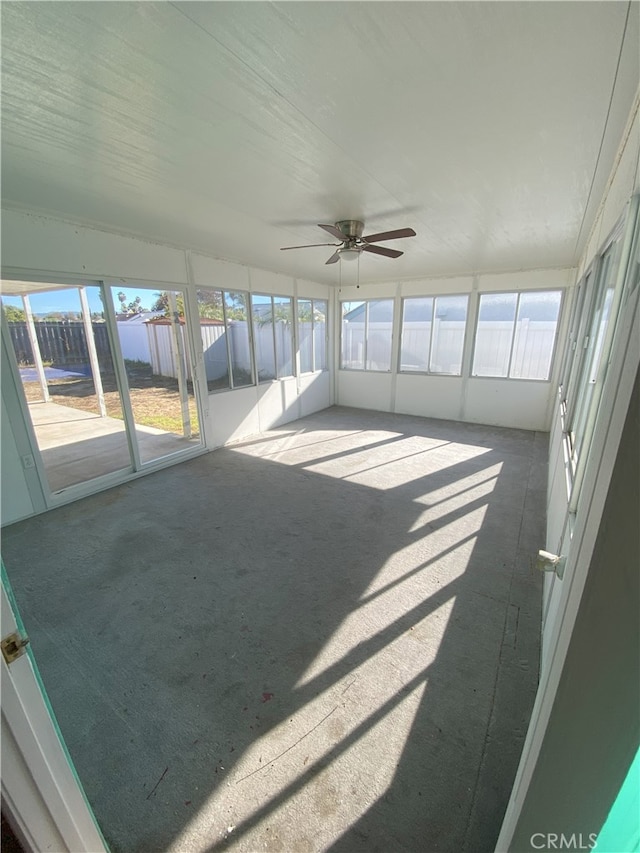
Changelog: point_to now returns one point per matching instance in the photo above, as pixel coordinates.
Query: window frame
(579, 403)
(554, 348)
(247, 302)
(364, 368)
(572, 355)
(292, 331)
(313, 300)
(433, 298)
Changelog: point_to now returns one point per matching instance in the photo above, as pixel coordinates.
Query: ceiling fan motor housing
(351, 228)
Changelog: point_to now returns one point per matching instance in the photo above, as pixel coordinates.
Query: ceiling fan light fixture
(348, 254)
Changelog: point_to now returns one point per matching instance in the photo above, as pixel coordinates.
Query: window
(593, 352)
(320, 310)
(433, 334)
(516, 333)
(283, 328)
(224, 329)
(305, 334)
(312, 331)
(236, 312)
(602, 307)
(366, 334)
(273, 336)
(573, 353)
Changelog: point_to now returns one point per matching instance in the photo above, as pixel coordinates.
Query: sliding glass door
(154, 343)
(106, 375)
(66, 369)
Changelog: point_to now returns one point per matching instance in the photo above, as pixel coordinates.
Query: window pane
(263, 335)
(379, 331)
(493, 335)
(214, 341)
(448, 334)
(238, 332)
(283, 317)
(320, 334)
(353, 329)
(601, 331)
(416, 333)
(535, 335)
(599, 322)
(305, 335)
(572, 351)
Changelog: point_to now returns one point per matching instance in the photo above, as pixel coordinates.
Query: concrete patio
(324, 639)
(77, 446)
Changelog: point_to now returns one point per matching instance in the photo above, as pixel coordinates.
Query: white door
(605, 305)
(40, 789)
(584, 447)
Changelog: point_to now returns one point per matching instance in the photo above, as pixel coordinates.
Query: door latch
(13, 646)
(547, 562)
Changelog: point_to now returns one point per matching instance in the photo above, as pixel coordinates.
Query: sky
(69, 300)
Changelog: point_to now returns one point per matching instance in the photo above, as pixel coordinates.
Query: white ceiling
(490, 128)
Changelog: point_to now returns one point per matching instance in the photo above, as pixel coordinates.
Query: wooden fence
(62, 344)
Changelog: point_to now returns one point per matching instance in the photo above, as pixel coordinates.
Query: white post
(93, 353)
(179, 358)
(121, 375)
(35, 348)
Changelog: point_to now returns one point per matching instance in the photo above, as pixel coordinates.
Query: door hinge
(13, 646)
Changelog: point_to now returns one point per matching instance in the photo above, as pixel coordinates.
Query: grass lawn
(154, 399)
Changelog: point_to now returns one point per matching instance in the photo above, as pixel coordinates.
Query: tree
(235, 305)
(162, 303)
(280, 312)
(210, 304)
(304, 312)
(134, 307)
(14, 314)
(60, 316)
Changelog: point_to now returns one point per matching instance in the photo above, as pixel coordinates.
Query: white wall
(524, 404)
(44, 245)
(236, 414)
(45, 248)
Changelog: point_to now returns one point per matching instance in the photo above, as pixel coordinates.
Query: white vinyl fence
(446, 347)
(134, 341)
(152, 343)
(161, 348)
(531, 359)
(532, 348)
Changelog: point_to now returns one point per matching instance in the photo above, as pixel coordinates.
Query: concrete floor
(77, 446)
(325, 639)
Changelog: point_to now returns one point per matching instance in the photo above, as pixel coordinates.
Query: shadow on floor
(328, 641)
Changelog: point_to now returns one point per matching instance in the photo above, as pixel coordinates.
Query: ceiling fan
(349, 232)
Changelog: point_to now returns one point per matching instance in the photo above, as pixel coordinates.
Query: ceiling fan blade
(382, 250)
(334, 258)
(308, 246)
(390, 235)
(335, 232)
